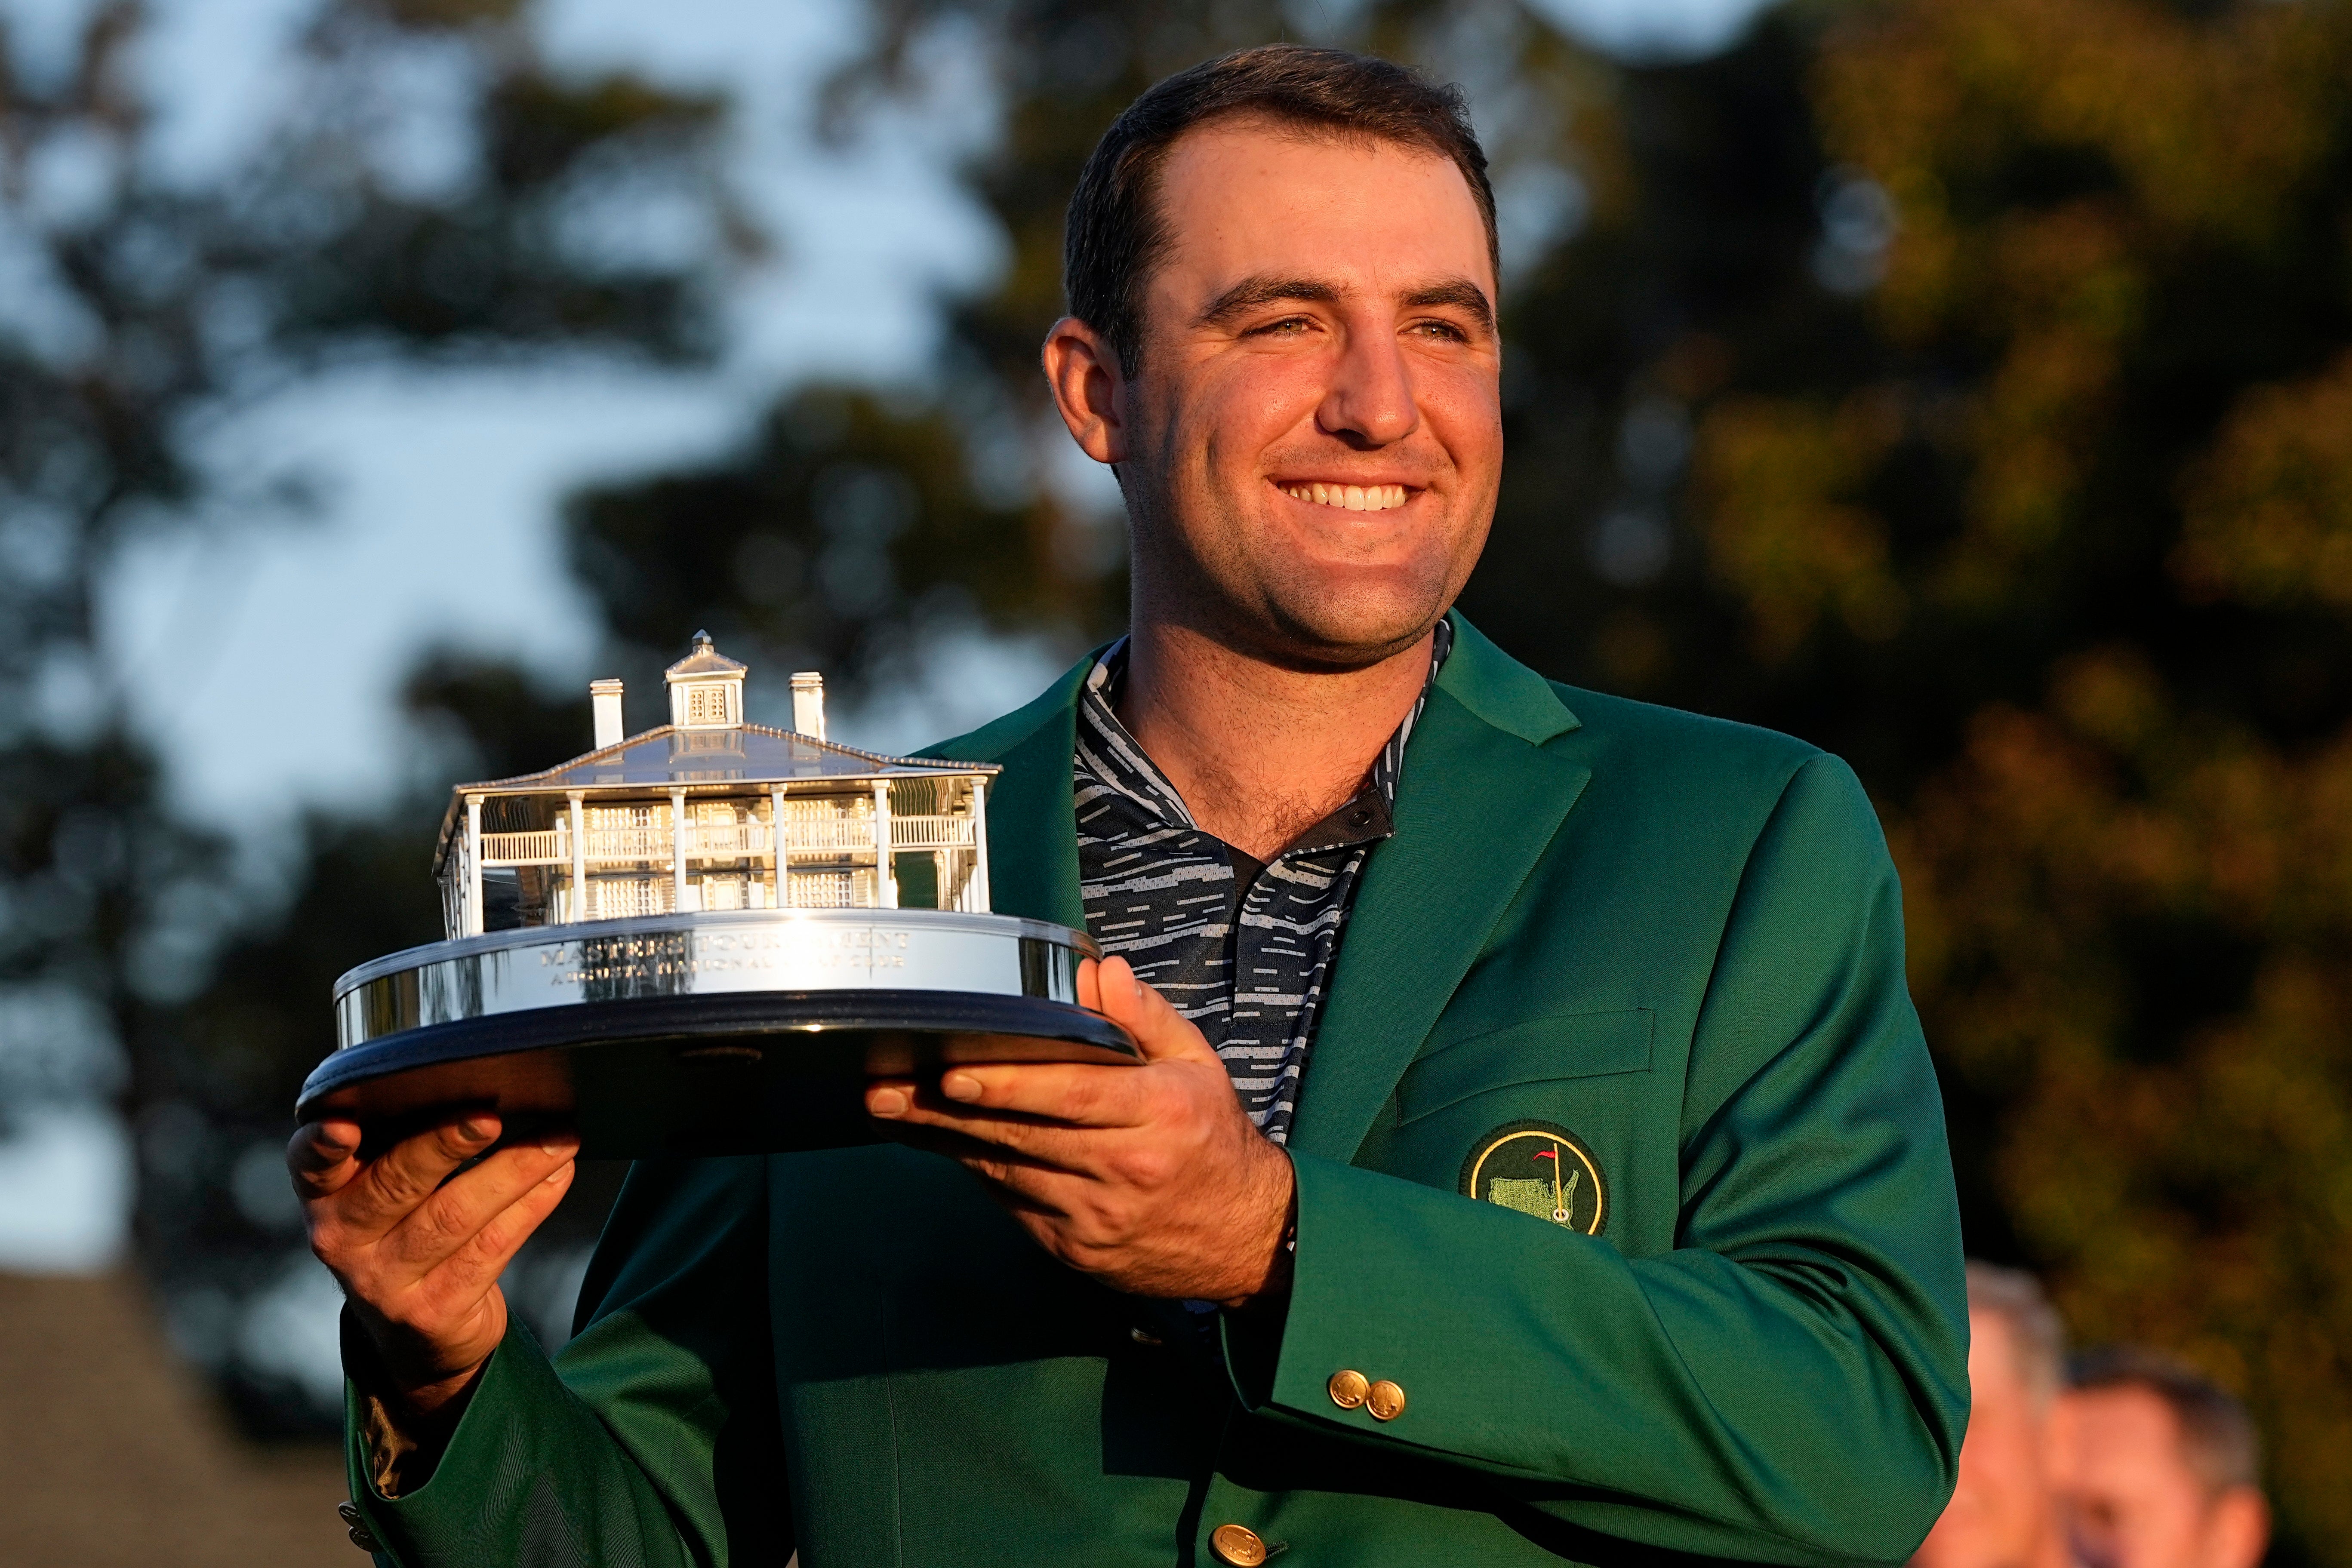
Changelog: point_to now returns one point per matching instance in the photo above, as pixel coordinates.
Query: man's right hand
(419, 1253)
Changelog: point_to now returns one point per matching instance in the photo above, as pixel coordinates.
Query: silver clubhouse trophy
(704, 939)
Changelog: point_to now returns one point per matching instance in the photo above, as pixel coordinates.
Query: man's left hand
(1152, 1179)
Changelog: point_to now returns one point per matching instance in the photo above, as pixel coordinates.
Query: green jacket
(1669, 948)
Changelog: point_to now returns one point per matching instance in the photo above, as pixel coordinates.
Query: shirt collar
(1120, 763)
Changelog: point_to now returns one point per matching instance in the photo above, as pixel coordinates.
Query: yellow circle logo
(1540, 1169)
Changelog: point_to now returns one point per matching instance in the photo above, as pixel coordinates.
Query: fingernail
(960, 1086)
(887, 1103)
(477, 1128)
(557, 1174)
(559, 1147)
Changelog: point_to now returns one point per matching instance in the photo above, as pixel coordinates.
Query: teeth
(1350, 498)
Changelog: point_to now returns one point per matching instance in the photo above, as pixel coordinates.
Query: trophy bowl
(705, 939)
(713, 1033)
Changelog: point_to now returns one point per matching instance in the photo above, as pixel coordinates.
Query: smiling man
(1537, 1158)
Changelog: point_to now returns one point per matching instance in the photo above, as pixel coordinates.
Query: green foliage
(849, 527)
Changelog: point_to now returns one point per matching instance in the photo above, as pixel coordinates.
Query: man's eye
(1288, 327)
(1445, 332)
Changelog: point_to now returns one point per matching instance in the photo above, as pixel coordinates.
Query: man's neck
(1261, 753)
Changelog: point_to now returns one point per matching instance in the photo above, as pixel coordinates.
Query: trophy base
(697, 1075)
(691, 1034)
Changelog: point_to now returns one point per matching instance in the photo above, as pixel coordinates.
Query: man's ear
(1085, 375)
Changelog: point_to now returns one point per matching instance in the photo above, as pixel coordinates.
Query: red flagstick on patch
(1547, 1153)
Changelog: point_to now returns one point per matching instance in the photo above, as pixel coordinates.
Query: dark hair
(1115, 234)
(2216, 1435)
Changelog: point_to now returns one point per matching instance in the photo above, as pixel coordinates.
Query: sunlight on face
(2000, 1515)
(1317, 423)
(2133, 1499)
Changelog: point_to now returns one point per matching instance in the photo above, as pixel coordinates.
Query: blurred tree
(2102, 468)
(143, 307)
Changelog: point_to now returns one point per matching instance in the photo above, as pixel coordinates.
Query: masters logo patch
(1541, 1169)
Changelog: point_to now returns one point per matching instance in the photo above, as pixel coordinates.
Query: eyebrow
(1252, 293)
(1460, 293)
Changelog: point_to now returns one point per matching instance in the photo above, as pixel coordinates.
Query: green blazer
(1666, 949)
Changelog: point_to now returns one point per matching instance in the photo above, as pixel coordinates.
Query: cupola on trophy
(702, 938)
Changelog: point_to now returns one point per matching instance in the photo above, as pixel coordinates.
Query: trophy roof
(671, 757)
(745, 757)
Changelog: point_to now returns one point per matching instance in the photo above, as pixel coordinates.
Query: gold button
(1238, 1544)
(1385, 1400)
(1347, 1389)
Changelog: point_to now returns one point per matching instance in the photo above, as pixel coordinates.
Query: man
(2160, 1467)
(1572, 1180)
(2004, 1514)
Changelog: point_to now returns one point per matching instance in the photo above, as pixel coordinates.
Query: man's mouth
(1353, 498)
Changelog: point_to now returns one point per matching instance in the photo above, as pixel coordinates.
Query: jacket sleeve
(651, 1439)
(1789, 1384)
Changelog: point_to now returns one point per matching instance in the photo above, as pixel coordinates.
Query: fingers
(1090, 985)
(454, 1217)
(902, 1108)
(469, 1270)
(1080, 1093)
(392, 1185)
(1165, 1034)
(322, 1157)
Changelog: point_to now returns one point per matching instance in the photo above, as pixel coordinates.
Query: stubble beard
(1280, 613)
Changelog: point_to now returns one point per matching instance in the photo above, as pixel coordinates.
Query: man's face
(2133, 1499)
(2000, 1514)
(1314, 439)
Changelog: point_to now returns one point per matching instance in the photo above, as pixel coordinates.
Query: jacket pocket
(1569, 1045)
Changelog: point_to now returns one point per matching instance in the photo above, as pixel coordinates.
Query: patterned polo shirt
(1242, 950)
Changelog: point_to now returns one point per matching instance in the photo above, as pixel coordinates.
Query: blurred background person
(2004, 1514)
(2157, 1466)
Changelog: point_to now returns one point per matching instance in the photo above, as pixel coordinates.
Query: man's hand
(1150, 1178)
(419, 1253)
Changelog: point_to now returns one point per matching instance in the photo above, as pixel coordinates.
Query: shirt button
(1238, 1544)
(1348, 1388)
(1385, 1400)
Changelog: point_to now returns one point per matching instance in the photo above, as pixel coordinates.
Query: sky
(440, 489)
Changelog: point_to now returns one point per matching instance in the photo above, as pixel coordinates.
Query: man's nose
(1371, 401)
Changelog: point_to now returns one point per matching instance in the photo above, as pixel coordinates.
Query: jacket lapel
(1478, 802)
(1033, 829)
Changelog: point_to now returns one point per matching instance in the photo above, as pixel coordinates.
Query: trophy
(704, 939)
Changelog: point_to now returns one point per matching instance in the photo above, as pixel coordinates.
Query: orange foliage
(2130, 892)
(2269, 512)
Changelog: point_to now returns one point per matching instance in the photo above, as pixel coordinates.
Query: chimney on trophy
(605, 697)
(808, 704)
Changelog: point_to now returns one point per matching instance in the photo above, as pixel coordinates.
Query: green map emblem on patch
(1540, 1169)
